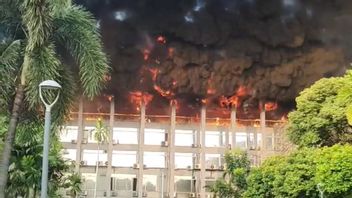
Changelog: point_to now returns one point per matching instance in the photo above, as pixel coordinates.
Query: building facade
(162, 156)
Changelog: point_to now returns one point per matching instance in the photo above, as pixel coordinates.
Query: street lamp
(47, 85)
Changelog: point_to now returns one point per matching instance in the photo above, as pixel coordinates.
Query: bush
(298, 174)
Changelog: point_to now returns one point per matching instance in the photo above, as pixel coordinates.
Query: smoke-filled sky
(218, 50)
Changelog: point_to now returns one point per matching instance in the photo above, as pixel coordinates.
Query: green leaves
(298, 174)
(320, 118)
(76, 29)
(233, 182)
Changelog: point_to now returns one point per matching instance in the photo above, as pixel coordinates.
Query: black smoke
(274, 48)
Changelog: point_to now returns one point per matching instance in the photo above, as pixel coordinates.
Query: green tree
(320, 118)
(233, 183)
(299, 174)
(45, 29)
(25, 164)
(101, 135)
(73, 184)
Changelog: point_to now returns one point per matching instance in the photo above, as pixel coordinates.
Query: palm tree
(44, 29)
(74, 183)
(101, 135)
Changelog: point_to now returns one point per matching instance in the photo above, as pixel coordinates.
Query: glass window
(89, 180)
(123, 158)
(214, 138)
(241, 140)
(154, 136)
(212, 160)
(209, 183)
(89, 134)
(149, 183)
(69, 133)
(122, 182)
(183, 137)
(91, 156)
(69, 154)
(154, 159)
(184, 184)
(125, 135)
(184, 160)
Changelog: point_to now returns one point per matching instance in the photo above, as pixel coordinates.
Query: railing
(179, 119)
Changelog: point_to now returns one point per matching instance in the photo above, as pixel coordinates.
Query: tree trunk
(10, 137)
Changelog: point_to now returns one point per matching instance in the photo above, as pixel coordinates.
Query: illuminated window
(125, 135)
(89, 134)
(69, 133)
(184, 160)
(154, 159)
(149, 183)
(154, 136)
(184, 137)
(123, 158)
(91, 156)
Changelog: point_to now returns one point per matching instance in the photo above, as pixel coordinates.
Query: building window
(125, 135)
(69, 134)
(213, 160)
(184, 137)
(184, 184)
(154, 136)
(214, 138)
(149, 183)
(91, 157)
(241, 140)
(154, 159)
(89, 183)
(184, 160)
(123, 182)
(123, 158)
(89, 132)
(69, 154)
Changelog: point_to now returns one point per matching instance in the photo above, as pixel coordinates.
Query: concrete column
(202, 150)
(262, 115)
(171, 141)
(262, 126)
(110, 144)
(140, 150)
(80, 135)
(233, 127)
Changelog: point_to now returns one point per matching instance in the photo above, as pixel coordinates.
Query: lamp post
(47, 85)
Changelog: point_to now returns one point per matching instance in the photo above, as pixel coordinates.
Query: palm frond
(9, 65)
(38, 22)
(42, 65)
(11, 54)
(67, 96)
(75, 29)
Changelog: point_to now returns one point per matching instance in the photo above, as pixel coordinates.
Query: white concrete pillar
(202, 151)
(79, 135)
(110, 145)
(233, 126)
(262, 115)
(171, 141)
(140, 150)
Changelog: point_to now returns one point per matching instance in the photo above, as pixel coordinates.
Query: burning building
(188, 71)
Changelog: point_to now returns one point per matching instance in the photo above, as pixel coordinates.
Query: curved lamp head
(49, 85)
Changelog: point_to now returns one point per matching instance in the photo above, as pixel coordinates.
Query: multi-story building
(162, 156)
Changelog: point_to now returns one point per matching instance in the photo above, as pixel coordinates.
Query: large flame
(137, 98)
(270, 106)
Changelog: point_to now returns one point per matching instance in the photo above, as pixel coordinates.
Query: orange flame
(154, 72)
(164, 93)
(270, 106)
(161, 39)
(204, 101)
(138, 97)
